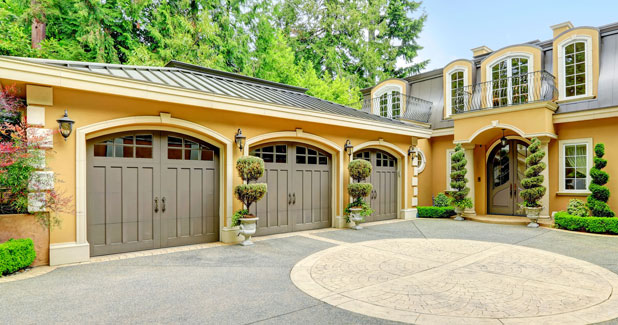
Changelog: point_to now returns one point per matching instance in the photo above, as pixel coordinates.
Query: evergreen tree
(597, 201)
(533, 182)
(459, 181)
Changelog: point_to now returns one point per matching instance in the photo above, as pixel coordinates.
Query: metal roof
(192, 77)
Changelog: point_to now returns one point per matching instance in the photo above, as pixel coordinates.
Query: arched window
(575, 62)
(510, 82)
(388, 101)
(457, 93)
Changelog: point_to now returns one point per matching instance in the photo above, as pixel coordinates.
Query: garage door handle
(293, 198)
(289, 198)
(156, 204)
(163, 204)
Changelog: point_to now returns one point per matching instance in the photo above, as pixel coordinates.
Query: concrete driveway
(246, 285)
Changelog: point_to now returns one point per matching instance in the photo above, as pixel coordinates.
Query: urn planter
(460, 213)
(248, 226)
(533, 215)
(355, 216)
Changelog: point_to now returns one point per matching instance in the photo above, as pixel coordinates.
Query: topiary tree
(359, 170)
(441, 200)
(250, 169)
(460, 191)
(532, 183)
(597, 201)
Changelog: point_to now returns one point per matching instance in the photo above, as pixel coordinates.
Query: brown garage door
(151, 189)
(383, 198)
(299, 194)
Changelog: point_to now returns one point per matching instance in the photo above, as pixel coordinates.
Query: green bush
(249, 193)
(600, 225)
(366, 210)
(441, 200)
(597, 201)
(459, 180)
(237, 215)
(16, 254)
(359, 169)
(435, 212)
(250, 168)
(359, 190)
(578, 208)
(532, 183)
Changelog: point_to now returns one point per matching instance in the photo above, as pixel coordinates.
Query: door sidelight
(156, 200)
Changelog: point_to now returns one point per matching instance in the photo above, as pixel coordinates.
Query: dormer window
(388, 101)
(510, 83)
(457, 94)
(456, 79)
(575, 67)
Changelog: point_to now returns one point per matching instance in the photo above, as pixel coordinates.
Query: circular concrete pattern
(458, 281)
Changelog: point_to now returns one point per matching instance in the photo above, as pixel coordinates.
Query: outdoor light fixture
(65, 125)
(411, 151)
(348, 148)
(240, 139)
(503, 139)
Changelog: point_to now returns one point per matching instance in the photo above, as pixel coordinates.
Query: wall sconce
(503, 139)
(240, 139)
(65, 125)
(347, 147)
(411, 151)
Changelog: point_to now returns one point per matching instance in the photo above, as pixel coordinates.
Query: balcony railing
(527, 88)
(398, 106)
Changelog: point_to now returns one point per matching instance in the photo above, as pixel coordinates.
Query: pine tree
(597, 201)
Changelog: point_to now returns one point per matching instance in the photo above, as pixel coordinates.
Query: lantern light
(65, 125)
(348, 148)
(240, 139)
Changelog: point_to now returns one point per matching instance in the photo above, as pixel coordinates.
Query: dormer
(390, 99)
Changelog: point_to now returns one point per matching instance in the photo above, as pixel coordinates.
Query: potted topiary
(250, 169)
(532, 183)
(459, 199)
(358, 209)
(597, 201)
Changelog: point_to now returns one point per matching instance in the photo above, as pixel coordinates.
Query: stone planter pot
(533, 215)
(460, 213)
(26, 226)
(248, 226)
(355, 216)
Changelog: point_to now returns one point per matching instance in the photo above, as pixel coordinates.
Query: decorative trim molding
(442, 132)
(593, 114)
(506, 109)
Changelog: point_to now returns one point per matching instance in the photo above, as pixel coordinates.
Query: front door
(383, 197)
(506, 166)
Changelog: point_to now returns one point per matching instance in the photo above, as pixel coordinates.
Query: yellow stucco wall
(433, 179)
(87, 108)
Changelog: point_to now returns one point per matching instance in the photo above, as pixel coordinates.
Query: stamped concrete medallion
(458, 281)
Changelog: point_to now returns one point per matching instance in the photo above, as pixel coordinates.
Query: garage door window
(365, 155)
(130, 146)
(384, 160)
(278, 153)
(310, 157)
(185, 149)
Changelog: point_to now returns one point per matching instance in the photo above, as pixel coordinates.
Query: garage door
(299, 194)
(149, 190)
(383, 198)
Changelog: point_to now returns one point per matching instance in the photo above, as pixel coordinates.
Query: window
(186, 149)
(575, 69)
(449, 153)
(575, 162)
(277, 153)
(421, 160)
(457, 91)
(456, 87)
(366, 155)
(509, 82)
(387, 101)
(384, 160)
(128, 146)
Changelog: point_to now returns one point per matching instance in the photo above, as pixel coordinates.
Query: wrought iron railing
(399, 106)
(527, 88)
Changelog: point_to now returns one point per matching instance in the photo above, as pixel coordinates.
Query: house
(150, 161)
(563, 91)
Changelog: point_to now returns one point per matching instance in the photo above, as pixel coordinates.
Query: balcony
(538, 86)
(390, 105)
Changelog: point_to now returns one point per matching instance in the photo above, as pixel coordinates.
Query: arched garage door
(383, 197)
(299, 179)
(149, 190)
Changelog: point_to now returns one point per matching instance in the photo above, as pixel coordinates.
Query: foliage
(249, 193)
(459, 180)
(250, 168)
(578, 208)
(358, 203)
(441, 200)
(532, 183)
(359, 190)
(590, 224)
(435, 212)
(597, 201)
(237, 215)
(359, 169)
(16, 254)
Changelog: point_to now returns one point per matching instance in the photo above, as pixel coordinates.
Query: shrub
(359, 190)
(578, 208)
(359, 169)
(459, 180)
(597, 201)
(590, 224)
(16, 254)
(249, 193)
(250, 168)
(435, 212)
(441, 200)
(237, 215)
(532, 183)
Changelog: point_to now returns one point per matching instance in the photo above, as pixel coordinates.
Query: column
(545, 200)
(469, 154)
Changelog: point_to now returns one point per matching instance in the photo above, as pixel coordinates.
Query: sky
(454, 27)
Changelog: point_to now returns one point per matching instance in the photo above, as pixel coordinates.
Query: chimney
(480, 50)
(559, 28)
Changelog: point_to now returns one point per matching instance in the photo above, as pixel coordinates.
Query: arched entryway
(150, 189)
(505, 170)
(383, 197)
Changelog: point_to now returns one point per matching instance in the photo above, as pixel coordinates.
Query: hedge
(600, 225)
(16, 254)
(435, 212)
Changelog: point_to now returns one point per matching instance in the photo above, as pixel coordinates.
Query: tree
(533, 182)
(597, 201)
(460, 191)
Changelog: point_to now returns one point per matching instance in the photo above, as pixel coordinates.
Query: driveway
(246, 285)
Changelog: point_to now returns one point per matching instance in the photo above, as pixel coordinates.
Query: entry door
(299, 188)
(146, 192)
(383, 197)
(506, 167)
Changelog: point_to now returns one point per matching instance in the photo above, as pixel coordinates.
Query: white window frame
(449, 153)
(387, 89)
(449, 90)
(508, 56)
(562, 183)
(561, 67)
(423, 159)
